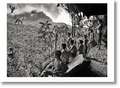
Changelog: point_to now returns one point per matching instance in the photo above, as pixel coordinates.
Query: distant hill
(29, 16)
(33, 19)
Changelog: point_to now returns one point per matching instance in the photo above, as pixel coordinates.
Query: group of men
(65, 56)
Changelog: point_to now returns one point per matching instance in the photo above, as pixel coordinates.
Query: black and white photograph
(61, 41)
(57, 40)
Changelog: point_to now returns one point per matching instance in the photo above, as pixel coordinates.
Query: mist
(57, 14)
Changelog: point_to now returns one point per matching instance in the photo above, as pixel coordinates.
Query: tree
(44, 26)
(72, 9)
(12, 8)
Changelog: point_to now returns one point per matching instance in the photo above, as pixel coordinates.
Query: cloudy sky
(57, 14)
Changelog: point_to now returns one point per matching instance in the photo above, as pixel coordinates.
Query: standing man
(81, 47)
(86, 45)
(64, 54)
(73, 50)
(69, 40)
(100, 34)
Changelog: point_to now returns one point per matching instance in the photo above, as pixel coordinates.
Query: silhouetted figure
(73, 50)
(91, 35)
(60, 67)
(105, 37)
(65, 54)
(81, 47)
(69, 39)
(92, 43)
(86, 44)
(55, 67)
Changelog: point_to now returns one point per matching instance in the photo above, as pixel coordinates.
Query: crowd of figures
(95, 35)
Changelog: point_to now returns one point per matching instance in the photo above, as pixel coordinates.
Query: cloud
(57, 14)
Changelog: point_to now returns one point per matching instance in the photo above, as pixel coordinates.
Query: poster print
(57, 40)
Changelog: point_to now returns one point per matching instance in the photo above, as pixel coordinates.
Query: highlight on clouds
(57, 14)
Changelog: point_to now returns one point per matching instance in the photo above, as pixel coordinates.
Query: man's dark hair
(63, 45)
(11, 49)
(85, 36)
(72, 42)
(92, 31)
(57, 53)
(69, 34)
(100, 21)
(81, 41)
